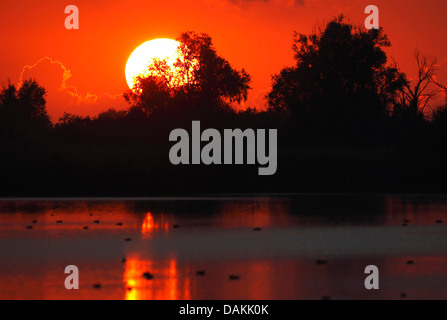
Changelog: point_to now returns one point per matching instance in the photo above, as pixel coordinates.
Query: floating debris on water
(148, 276)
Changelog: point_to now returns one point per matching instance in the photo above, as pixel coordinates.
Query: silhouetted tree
(22, 111)
(202, 80)
(439, 85)
(341, 79)
(439, 115)
(415, 100)
(152, 92)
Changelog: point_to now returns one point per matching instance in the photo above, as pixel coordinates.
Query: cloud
(62, 97)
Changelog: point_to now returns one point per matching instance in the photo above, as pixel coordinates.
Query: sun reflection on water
(150, 224)
(166, 284)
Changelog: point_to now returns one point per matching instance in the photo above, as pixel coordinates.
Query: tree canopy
(201, 80)
(22, 109)
(341, 76)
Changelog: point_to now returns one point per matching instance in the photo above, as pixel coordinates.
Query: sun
(142, 57)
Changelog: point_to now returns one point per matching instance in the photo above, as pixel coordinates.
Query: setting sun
(142, 57)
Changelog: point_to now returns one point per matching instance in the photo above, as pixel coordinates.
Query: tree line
(342, 109)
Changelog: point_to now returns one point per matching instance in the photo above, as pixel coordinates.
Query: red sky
(254, 34)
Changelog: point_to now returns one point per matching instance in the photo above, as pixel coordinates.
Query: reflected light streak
(150, 225)
(165, 285)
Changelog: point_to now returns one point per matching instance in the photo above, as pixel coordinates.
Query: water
(174, 238)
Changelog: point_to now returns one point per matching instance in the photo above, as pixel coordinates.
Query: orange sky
(254, 34)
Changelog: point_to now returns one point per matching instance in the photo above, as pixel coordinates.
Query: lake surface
(271, 244)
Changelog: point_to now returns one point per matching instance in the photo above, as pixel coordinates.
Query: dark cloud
(294, 3)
